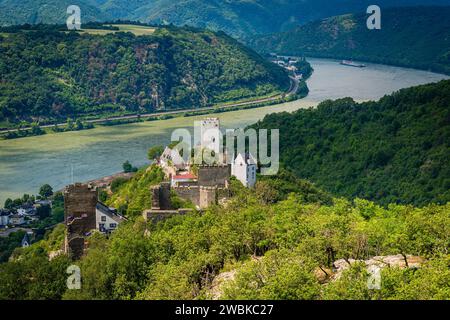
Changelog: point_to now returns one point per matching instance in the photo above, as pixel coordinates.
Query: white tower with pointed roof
(244, 169)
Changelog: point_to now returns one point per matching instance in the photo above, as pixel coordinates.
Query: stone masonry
(80, 201)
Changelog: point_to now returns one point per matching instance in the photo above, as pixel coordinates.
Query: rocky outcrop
(379, 261)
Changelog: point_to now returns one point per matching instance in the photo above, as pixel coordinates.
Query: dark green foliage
(9, 243)
(117, 183)
(271, 189)
(46, 191)
(413, 37)
(102, 195)
(34, 277)
(43, 211)
(274, 250)
(9, 204)
(179, 257)
(304, 68)
(133, 196)
(58, 75)
(393, 150)
(155, 152)
(128, 167)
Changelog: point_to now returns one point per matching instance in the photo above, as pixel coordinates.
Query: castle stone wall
(80, 201)
(214, 176)
(189, 193)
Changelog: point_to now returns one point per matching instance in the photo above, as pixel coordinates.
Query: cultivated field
(137, 30)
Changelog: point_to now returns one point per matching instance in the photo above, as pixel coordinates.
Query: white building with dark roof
(107, 219)
(16, 220)
(4, 217)
(244, 169)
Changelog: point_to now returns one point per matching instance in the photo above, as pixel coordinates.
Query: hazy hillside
(14, 12)
(237, 17)
(414, 37)
(393, 150)
(53, 74)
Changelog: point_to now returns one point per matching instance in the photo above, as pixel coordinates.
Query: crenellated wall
(214, 176)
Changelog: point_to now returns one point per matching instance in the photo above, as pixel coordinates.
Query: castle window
(112, 225)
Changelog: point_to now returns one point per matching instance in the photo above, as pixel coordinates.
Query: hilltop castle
(201, 184)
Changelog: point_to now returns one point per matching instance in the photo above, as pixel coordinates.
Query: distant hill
(413, 37)
(236, 17)
(14, 12)
(393, 150)
(54, 74)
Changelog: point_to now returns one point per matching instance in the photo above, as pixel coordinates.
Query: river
(59, 159)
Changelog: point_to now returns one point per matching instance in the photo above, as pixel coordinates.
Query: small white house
(107, 219)
(26, 210)
(16, 220)
(4, 217)
(244, 169)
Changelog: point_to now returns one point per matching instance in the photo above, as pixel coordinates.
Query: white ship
(352, 64)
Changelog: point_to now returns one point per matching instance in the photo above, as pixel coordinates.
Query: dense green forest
(395, 150)
(239, 18)
(279, 241)
(49, 74)
(416, 37)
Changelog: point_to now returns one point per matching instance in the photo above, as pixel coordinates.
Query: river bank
(28, 163)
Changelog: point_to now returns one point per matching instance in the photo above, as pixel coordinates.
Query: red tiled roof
(184, 176)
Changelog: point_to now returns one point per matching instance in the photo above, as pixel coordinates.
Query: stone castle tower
(80, 201)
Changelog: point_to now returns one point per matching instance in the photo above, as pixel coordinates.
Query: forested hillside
(395, 150)
(54, 74)
(281, 241)
(237, 17)
(417, 37)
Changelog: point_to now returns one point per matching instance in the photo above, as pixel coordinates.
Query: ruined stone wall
(80, 201)
(208, 196)
(161, 196)
(164, 196)
(214, 176)
(189, 193)
(155, 216)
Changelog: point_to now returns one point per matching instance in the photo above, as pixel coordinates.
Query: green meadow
(137, 30)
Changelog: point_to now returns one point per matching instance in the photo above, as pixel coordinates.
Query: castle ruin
(80, 201)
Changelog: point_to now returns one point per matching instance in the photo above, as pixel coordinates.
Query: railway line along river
(27, 163)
